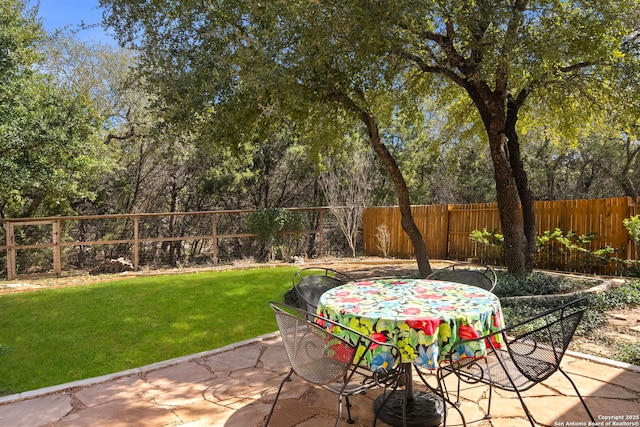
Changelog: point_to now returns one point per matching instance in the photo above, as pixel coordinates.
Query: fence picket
(446, 228)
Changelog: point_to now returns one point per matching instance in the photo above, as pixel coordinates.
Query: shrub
(491, 245)
(632, 267)
(629, 267)
(277, 228)
(617, 298)
(556, 250)
(633, 226)
(560, 250)
(597, 304)
(384, 239)
(291, 298)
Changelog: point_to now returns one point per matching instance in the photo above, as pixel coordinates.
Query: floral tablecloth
(424, 318)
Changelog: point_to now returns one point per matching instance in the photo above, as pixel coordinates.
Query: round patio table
(423, 318)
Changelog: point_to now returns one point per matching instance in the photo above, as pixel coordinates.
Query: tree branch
(112, 136)
(574, 67)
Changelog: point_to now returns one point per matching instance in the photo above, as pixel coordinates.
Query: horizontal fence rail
(446, 229)
(54, 244)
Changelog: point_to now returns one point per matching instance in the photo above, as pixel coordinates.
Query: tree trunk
(508, 206)
(404, 202)
(522, 182)
(492, 108)
(492, 111)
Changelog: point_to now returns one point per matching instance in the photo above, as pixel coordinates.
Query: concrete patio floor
(235, 386)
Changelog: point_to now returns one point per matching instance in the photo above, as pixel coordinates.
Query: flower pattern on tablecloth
(424, 318)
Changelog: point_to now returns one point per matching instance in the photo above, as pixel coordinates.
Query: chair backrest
(315, 354)
(538, 351)
(311, 283)
(308, 337)
(479, 275)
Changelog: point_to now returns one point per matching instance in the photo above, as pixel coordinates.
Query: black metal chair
(324, 359)
(311, 283)
(530, 353)
(479, 275)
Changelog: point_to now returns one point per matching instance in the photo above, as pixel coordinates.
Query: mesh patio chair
(531, 352)
(311, 283)
(326, 360)
(467, 273)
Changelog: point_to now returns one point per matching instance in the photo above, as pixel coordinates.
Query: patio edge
(604, 361)
(25, 395)
(154, 366)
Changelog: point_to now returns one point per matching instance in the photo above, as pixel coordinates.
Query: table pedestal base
(423, 409)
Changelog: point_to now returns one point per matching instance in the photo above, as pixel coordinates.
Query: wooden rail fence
(446, 228)
(49, 237)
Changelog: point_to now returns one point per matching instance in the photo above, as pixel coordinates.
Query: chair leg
(348, 405)
(579, 395)
(386, 395)
(339, 411)
(532, 421)
(444, 395)
(489, 416)
(442, 392)
(287, 378)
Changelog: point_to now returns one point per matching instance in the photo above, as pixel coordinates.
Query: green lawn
(54, 336)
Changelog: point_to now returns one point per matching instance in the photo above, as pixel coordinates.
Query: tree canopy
(239, 104)
(47, 135)
(338, 63)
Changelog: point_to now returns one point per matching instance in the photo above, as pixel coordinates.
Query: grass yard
(54, 336)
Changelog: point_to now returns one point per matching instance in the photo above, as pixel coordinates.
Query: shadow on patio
(235, 386)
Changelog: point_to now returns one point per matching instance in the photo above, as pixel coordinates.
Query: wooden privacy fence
(33, 245)
(446, 228)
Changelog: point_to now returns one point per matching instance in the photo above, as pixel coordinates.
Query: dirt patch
(358, 268)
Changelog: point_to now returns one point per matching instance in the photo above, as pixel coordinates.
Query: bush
(621, 297)
(291, 298)
(275, 229)
(556, 250)
(629, 268)
(633, 226)
(491, 244)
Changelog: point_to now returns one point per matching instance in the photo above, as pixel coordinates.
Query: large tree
(230, 72)
(48, 135)
(589, 145)
(371, 61)
(501, 53)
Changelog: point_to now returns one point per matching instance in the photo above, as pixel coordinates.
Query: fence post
(136, 243)
(56, 231)
(214, 238)
(11, 252)
(320, 231)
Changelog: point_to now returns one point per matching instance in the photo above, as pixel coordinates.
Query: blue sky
(62, 13)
